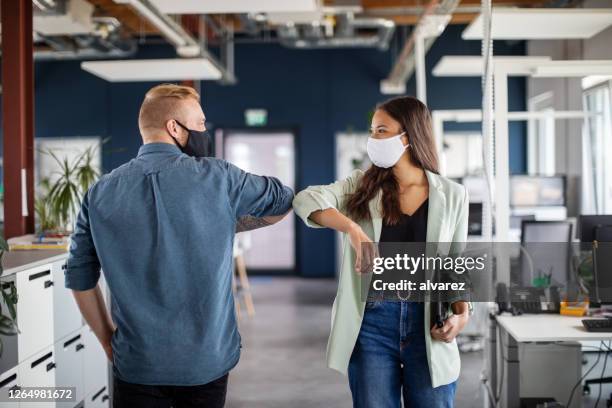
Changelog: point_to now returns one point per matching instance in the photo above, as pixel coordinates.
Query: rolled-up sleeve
(318, 198)
(83, 266)
(254, 195)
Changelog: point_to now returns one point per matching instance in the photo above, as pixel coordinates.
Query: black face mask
(199, 143)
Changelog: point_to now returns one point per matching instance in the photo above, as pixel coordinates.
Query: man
(161, 227)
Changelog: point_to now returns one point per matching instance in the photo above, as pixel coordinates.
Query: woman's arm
(322, 206)
(361, 243)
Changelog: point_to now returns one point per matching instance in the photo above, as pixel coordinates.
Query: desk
(535, 328)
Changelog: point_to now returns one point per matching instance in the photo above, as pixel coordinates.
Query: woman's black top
(410, 228)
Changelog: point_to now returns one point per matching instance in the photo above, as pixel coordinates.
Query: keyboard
(598, 325)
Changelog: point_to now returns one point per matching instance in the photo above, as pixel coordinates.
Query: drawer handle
(105, 398)
(50, 366)
(39, 275)
(79, 347)
(8, 380)
(48, 284)
(40, 360)
(98, 393)
(72, 340)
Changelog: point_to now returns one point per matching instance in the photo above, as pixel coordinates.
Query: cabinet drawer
(34, 310)
(98, 399)
(38, 371)
(69, 353)
(65, 310)
(95, 363)
(8, 380)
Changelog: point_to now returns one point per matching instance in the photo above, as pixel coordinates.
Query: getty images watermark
(471, 271)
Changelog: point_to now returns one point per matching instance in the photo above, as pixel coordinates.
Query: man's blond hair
(162, 103)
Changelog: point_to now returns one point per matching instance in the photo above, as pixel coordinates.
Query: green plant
(8, 323)
(59, 205)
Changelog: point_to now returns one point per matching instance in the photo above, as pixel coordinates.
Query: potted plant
(59, 201)
(8, 291)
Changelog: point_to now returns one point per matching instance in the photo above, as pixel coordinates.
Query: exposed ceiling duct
(432, 23)
(185, 44)
(67, 29)
(347, 32)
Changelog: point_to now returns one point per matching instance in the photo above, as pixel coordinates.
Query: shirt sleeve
(83, 265)
(254, 195)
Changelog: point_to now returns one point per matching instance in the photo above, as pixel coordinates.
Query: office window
(541, 137)
(597, 145)
(462, 154)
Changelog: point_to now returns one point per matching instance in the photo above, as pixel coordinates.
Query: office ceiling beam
(18, 117)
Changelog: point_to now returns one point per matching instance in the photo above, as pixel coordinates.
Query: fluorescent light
(472, 65)
(153, 70)
(541, 24)
(233, 6)
(573, 68)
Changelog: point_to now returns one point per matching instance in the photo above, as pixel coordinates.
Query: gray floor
(283, 355)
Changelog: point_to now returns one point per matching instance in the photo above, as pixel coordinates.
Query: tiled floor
(283, 356)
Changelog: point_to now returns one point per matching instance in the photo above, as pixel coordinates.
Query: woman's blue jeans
(389, 360)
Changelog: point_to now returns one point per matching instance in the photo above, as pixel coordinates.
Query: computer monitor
(589, 224)
(475, 219)
(602, 263)
(547, 244)
(537, 191)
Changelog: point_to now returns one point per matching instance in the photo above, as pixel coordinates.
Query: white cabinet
(69, 362)
(38, 371)
(98, 399)
(34, 310)
(8, 380)
(95, 363)
(67, 317)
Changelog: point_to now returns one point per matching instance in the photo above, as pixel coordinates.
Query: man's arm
(82, 275)
(249, 223)
(92, 307)
(256, 196)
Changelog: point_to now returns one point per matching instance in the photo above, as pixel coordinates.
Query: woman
(389, 348)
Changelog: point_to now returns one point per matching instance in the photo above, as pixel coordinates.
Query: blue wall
(319, 92)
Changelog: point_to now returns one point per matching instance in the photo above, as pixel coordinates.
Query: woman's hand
(365, 249)
(453, 325)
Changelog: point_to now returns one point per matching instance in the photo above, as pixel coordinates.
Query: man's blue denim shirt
(161, 227)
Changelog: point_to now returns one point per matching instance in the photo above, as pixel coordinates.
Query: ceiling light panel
(153, 70)
(541, 24)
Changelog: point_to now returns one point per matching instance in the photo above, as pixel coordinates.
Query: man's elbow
(273, 219)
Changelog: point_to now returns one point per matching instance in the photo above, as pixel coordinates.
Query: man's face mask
(199, 143)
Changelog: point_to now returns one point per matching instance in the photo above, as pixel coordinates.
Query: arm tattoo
(248, 223)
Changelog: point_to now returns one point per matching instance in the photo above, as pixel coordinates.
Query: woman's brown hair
(415, 120)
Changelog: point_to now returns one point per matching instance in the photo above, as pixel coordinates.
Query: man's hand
(108, 349)
(453, 325)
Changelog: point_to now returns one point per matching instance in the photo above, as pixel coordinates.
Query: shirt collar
(158, 148)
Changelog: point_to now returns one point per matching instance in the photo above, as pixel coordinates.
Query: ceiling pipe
(347, 34)
(431, 24)
(186, 46)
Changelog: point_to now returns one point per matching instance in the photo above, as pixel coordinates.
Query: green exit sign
(256, 117)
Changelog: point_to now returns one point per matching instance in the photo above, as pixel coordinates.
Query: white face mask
(386, 152)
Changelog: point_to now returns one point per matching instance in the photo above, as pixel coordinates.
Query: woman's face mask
(199, 143)
(386, 152)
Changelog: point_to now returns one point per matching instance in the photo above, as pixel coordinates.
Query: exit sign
(256, 117)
